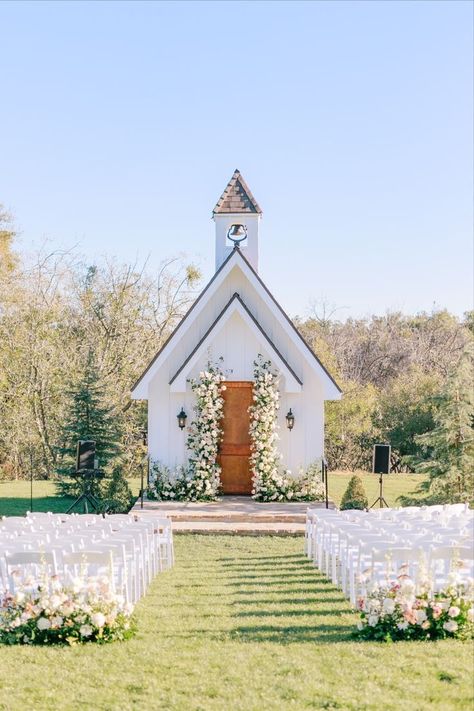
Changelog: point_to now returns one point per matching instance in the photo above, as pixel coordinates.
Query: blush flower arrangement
(48, 611)
(402, 610)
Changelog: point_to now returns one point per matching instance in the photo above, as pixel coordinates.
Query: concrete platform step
(236, 517)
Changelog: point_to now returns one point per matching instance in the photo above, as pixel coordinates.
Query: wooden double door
(234, 450)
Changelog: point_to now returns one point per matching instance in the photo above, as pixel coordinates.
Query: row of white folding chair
(162, 532)
(103, 558)
(358, 552)
(91, 538)
(437, 563)
(339, 542)
(152, 538)
(314, 517)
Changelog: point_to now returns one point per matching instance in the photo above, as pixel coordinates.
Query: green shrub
(354, 496)
(117, 496)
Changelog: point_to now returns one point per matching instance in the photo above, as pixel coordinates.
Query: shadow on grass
(279, 591)
(296, 557)
(289, 601)
(294, 634)
(291, 613)
(18, 506)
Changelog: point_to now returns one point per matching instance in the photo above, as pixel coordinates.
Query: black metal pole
(31, 482)
(326, 487)
(141, 485)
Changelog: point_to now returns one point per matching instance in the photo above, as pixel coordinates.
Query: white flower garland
(200, 479)
(268, 483)
(205, 432)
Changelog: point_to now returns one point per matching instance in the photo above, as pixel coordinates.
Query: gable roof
(236, 304)
(236, 198)
(236, 255)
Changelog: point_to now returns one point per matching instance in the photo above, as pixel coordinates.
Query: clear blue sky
(121, 124)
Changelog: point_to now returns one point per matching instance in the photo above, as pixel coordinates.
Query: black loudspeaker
(85, 455)
(381, 459)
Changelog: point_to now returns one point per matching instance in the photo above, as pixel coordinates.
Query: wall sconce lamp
(182, 417)
(290, 419)
(144, 436)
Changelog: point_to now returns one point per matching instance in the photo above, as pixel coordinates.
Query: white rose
(407, 587)
(85, 630)
(373, 619)
(402, 625)
(450, 626)
(420, 616)
(55, 602)
(454, 611)
(43, 623)
(56, 621)
(389, 606)
(98, 619)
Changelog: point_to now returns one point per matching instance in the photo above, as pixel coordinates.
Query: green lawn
(244, 624)
(394, 485)
(15, 495)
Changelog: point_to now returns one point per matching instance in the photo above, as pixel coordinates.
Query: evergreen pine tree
(89, 419)
(448, 449)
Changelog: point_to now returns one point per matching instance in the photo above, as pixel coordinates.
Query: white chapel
(236, 318)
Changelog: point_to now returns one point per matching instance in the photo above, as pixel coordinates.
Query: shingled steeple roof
(237, 198)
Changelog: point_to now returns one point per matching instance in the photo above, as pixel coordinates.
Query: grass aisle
(241, 623)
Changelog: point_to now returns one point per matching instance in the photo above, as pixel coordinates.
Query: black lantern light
(182, 416)
(144, 436)
(290, 419)
(237, 234)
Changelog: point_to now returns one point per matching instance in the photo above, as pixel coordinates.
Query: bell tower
(237, 215)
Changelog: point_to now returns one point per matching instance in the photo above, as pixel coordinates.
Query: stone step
(239, 528)
(237, 517)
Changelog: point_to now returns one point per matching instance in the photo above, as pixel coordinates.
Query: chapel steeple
(237, 206)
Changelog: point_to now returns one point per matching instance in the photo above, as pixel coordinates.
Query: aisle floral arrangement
(270, 483)
(403, 610)
(49, 611)
(200, 479)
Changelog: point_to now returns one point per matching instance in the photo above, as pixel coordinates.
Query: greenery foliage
(116, 495)
(55, 310)
(447, 450)
(354, 496)
(89, 418)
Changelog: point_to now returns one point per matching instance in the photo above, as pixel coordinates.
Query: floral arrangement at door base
(52, 612)
(402, 610)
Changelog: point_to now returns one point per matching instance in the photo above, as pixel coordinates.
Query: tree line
(75, 336)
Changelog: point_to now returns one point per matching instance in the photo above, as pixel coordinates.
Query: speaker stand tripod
(380, 500)
(86, 497)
